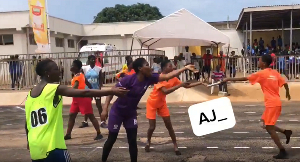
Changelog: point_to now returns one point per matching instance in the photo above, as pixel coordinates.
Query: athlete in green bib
(44, 121)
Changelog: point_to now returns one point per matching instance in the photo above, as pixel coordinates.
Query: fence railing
(238, 66)
(19, 73)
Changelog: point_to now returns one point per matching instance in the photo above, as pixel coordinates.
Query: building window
(7, 39)
(59, 42)
(31, 39)
(71, 43)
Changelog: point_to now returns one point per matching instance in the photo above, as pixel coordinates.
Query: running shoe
(84, 124)
(282, 155)
(103, 124)
(98, 137)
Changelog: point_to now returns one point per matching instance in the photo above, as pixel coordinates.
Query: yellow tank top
(124, 67)
(44, 123)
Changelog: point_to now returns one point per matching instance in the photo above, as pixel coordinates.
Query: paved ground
(245, 142)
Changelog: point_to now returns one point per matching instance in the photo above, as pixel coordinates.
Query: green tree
(122, 13)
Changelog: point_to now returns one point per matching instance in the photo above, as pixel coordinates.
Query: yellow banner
(38, 19)
(195, 49)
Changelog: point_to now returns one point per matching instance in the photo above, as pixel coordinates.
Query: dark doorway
(83, 43)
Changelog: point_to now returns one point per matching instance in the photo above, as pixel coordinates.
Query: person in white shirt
(155, 66)
(180, 64)
(187, 57)
(93, 75)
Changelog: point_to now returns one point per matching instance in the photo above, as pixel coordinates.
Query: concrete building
(16, 37)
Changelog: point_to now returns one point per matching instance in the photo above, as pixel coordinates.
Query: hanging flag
(38, 20)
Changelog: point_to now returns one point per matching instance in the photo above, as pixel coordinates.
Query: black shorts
(206, 69)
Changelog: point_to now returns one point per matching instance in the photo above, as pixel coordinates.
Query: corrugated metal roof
(273, 6)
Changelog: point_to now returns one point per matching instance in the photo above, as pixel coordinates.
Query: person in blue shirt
(281, 66)
(93, 75)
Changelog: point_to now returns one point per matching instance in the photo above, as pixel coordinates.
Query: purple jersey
(137, 90)
(124, 108)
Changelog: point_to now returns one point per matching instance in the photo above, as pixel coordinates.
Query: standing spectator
(180, 64)
(255, 46)
(281, 66)
(221, 61)
(155, 66)
(273, 43)
(272, 65)
(261, 46)
(61, 70)
(33, 67)
(242, 52)
(18, 71)
(187, 57)
(261, 43)
(217, 76)
(39, 58)
(174, 62)
(207, 65)
(279, 41)
(11, 69)
(232, 64)
(195, 61)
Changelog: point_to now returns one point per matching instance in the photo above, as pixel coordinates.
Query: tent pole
(250, 33)
(227, 59)
(291, 31)
(131, 46)
(282, 33)
(143, 44)
(246, 41)
(141, 48)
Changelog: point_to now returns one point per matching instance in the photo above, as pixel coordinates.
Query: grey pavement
(245, 142)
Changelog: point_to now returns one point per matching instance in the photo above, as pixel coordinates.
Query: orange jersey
(81, 79)
(125, 72)
(131, 72)
(270, 82)
(157, 97)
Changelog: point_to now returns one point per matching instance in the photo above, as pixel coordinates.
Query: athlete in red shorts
(81, 104)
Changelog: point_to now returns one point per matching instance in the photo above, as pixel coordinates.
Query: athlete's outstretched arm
(107, 102)
(194, 84)
(175, 73)
(235, 79)
(76, 85)
(170, 90)
(104, 113)
(71, 92)
(287, 91)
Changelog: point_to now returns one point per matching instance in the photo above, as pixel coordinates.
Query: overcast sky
(83, 11)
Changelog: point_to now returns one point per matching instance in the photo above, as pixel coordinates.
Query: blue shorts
(56, 155)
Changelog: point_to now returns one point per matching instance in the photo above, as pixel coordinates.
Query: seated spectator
(217, 76)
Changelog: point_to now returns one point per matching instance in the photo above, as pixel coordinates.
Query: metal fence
(238, 66)
(19, 73)
(24, 76)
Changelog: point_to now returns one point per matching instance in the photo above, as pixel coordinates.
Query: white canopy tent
(181, 28)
